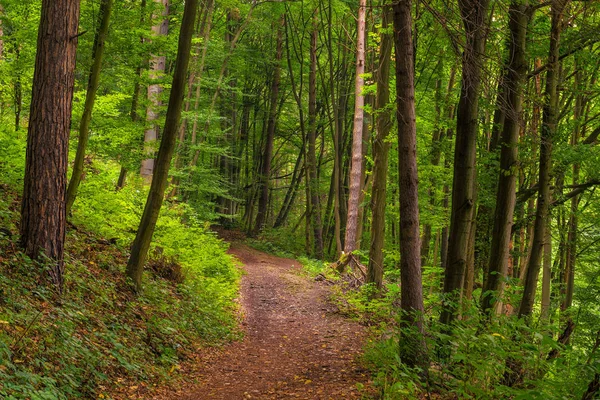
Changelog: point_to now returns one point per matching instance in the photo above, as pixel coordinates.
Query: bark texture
(43, 216)
(265, 173)
(311, 158)
(141, 243)
(157, 70)
(549, 120)
(380, 154)
(507, 178)
(473, 14)
(356, 181)
(413, 352)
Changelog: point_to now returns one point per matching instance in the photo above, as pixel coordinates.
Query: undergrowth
(98, 339)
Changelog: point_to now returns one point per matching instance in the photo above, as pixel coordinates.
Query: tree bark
(507, 177)
(549, 121)
(43, 215)
(90, 97)
(135, 98)
(547, 274)
(311, 158)
(473, 14)
(380, 154)
(265, 173)
(413, 352)
(356, 183)
(157, 70)
(571, 250)
(141, 243)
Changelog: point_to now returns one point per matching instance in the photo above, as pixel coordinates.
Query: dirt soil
(295, 345)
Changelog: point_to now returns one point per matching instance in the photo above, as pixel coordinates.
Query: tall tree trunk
(413, 352)
(194, 79)
(380, 154)
(43, 216)
(90, 98)
(337, 135)
(507, 177)
(547, 274)
(157, 70)
(356, 183)
(571, 250)
(18, 88)
(141, 243)
(549, 120)
(135, 98)
(263, 201)
(313, 181)
(473, 14)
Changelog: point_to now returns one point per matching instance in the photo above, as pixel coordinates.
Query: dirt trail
(294, 347)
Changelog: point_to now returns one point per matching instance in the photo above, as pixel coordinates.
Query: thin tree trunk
(549, 117)
(290, 194)
(380, 154)
(135, 98)
(547, 274)
(571, 250)
(141, 243)
(313, 181)
(265, 174)
(43, 216)
(337, 134)
(350, 242)
(157, 69)
(90, 97)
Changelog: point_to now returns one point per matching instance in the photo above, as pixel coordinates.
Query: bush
(98, 338)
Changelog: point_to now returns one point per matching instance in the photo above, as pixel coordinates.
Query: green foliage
(473, 359)
(98, 337)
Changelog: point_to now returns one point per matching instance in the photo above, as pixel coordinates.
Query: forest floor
(295, 345)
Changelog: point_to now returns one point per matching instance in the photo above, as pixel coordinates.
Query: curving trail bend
(294, 346)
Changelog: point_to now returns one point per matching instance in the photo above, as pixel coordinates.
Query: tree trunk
(571, 250)
(337, 135)
(43, 216)
(135, 98)
(265, 174)
(549, 117)
(356, 183)
(380, 154)
(413, 352)
(311, 158)
(473, 14)
(90, 98)
(507, 177)
(141, 243)
(547, 274)
(157, 70)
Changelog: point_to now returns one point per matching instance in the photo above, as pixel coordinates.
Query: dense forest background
(444, 153)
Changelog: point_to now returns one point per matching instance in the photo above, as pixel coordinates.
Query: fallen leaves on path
(293, 348)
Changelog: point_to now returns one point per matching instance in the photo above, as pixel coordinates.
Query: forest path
(294, 346)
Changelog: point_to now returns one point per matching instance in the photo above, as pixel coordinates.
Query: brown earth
(294, 346)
